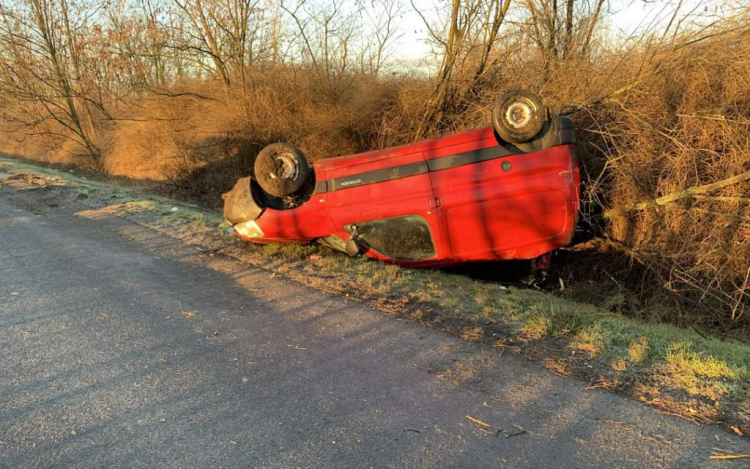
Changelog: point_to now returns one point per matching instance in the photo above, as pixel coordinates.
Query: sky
(626, 17)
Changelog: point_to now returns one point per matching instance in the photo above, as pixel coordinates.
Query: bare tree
(207, 35)
(230, 34)
(472, 26)
(380, 34)
(565, 37)
(41, 64)
(138, 42)
(325, 34)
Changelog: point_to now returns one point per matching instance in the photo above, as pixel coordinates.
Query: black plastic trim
(380, 175)
(321, 187)
(469, 157)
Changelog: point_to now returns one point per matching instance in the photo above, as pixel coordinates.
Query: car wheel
(281, 169)
(518, 116)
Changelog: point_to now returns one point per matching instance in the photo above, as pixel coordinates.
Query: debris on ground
(520, 431)
(478, 422)
(725, 455)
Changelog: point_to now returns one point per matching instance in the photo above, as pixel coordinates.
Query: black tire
(281, 169)
(518, 116)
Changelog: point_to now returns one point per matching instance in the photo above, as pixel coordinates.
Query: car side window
(400, 238)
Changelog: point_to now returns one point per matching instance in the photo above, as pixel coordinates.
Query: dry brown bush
(687, 124)
(203, 134)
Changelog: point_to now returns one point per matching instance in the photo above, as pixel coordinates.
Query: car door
(497, 205)
(389, 204)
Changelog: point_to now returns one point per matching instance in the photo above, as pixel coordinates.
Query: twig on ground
(478, 422)
(723, 457)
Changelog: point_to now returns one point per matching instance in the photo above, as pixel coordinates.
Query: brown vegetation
(187, 92)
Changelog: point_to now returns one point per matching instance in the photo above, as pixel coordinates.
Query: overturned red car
(505, 191)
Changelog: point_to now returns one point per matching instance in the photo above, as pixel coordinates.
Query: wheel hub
(286, 168)
(519, 114)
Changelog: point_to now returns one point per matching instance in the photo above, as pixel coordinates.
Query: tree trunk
(568, 49)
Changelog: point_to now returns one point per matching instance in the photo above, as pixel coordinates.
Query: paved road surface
(122, 348)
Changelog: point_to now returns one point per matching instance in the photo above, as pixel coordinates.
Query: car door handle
(434, 202)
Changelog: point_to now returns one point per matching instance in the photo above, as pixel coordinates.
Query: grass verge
(700, 378)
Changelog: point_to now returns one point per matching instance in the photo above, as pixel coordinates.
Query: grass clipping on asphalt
(700, 378)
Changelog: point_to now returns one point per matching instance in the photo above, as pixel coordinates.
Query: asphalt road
(123, 348)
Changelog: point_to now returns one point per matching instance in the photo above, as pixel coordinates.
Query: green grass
(675, 361)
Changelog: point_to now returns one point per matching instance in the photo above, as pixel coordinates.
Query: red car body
(465, 197)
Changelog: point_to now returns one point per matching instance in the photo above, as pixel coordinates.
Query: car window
(401, 238)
